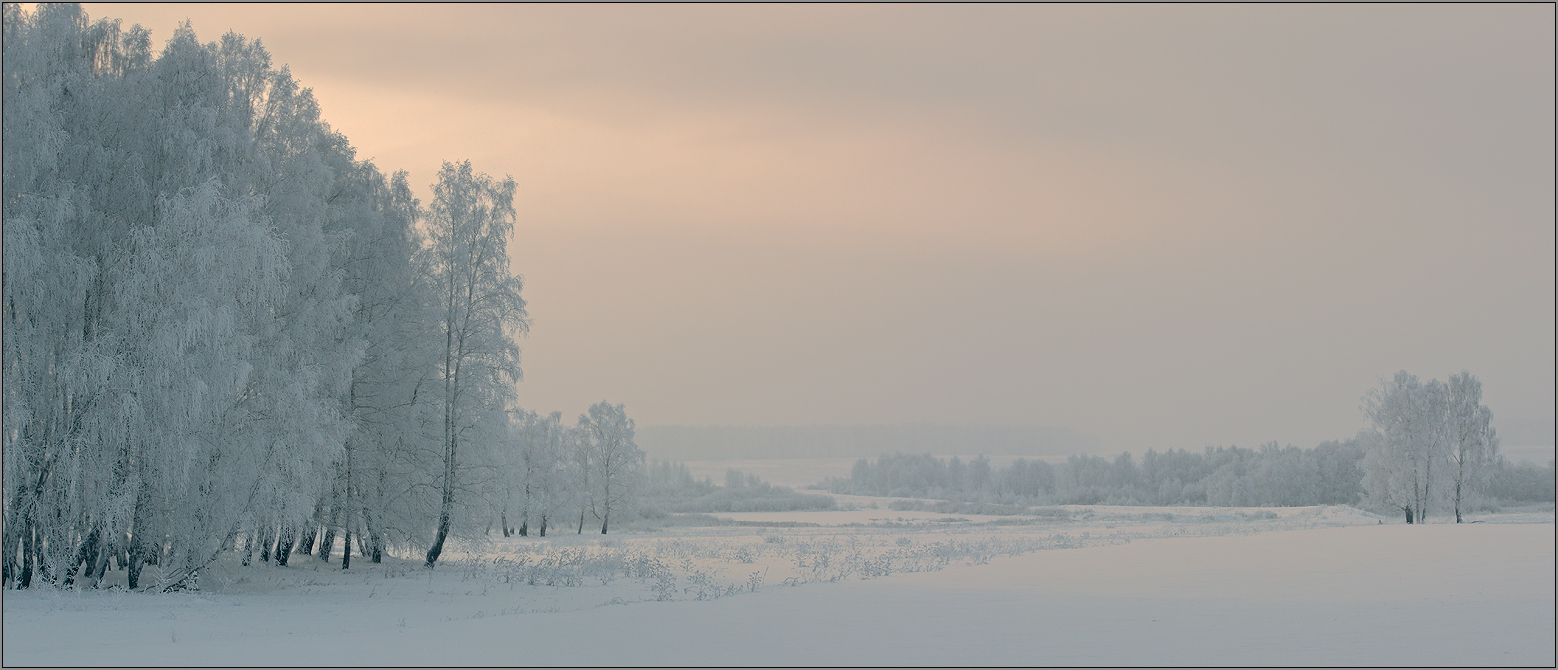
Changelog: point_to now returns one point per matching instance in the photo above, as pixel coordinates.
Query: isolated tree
(617, 462)
(1474, 443)
(469, 225)
(1410, 434)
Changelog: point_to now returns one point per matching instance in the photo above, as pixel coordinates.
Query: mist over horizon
(1162, 226)
(687, 443)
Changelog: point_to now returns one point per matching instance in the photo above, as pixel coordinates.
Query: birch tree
(1474, 443)
(616, 461)
(470, 222)
(1410, 435)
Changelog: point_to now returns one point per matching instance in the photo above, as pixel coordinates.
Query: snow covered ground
(1074, 586)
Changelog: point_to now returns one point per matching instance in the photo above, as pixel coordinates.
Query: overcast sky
(1163, 226)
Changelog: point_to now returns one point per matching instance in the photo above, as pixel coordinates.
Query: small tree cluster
(1429, 444)
(592, 467)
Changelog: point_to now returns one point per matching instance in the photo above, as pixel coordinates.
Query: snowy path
(1471, 595)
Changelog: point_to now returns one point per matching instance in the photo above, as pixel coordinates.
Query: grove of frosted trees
(225, 332)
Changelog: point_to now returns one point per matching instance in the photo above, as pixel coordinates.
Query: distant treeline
(1328, 474)
(670, 488)
(697, 443)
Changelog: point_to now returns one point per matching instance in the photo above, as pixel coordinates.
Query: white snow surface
(1097, 586)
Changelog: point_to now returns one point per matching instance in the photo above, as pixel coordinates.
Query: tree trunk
(375, 541)
(135, 551)
(605, 520)
(306, 546)
(284, 542)
(503, 520)
(327, 544)
(346, 551)
(100, 565)
(132, 571)
(1457, 501)
(10, 565)
(447, 504)
(438, 540)
(29, 553)
(543, 525)
(265, 543)
(1408, 510)
(87, 554)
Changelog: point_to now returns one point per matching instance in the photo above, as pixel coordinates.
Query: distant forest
(700, 443)
(1328, 474)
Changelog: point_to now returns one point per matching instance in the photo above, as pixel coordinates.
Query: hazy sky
(1164, 226)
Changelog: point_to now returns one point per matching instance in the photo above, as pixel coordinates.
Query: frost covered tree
(537, 479)
(221, 326)
(390, 395)
(480, 313)
(616, 462)
(180, 326)
(1415, 426)
(1394, 463)
(1473, 442)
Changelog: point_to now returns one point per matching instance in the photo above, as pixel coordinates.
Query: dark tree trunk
(438, 540)
(1408, 510)
(371, 535)
(29, 555)
(284, 545)
(8, 559)
(266, 540)
(524, 528)
(306, 546)
(87, 554)
(346, 551)
(375, 545)
(327, 544)
(604, 521)
(543, 525)
(132, 572)
(10, 565)
(503, 520)
(447, 505)
(135, 549)
(99, 567)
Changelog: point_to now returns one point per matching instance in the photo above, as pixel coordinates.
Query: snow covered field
(1070, 586)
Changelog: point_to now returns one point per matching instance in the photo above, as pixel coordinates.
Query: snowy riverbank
(1322, 586)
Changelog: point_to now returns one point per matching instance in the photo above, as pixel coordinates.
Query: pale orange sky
(1164, 226)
